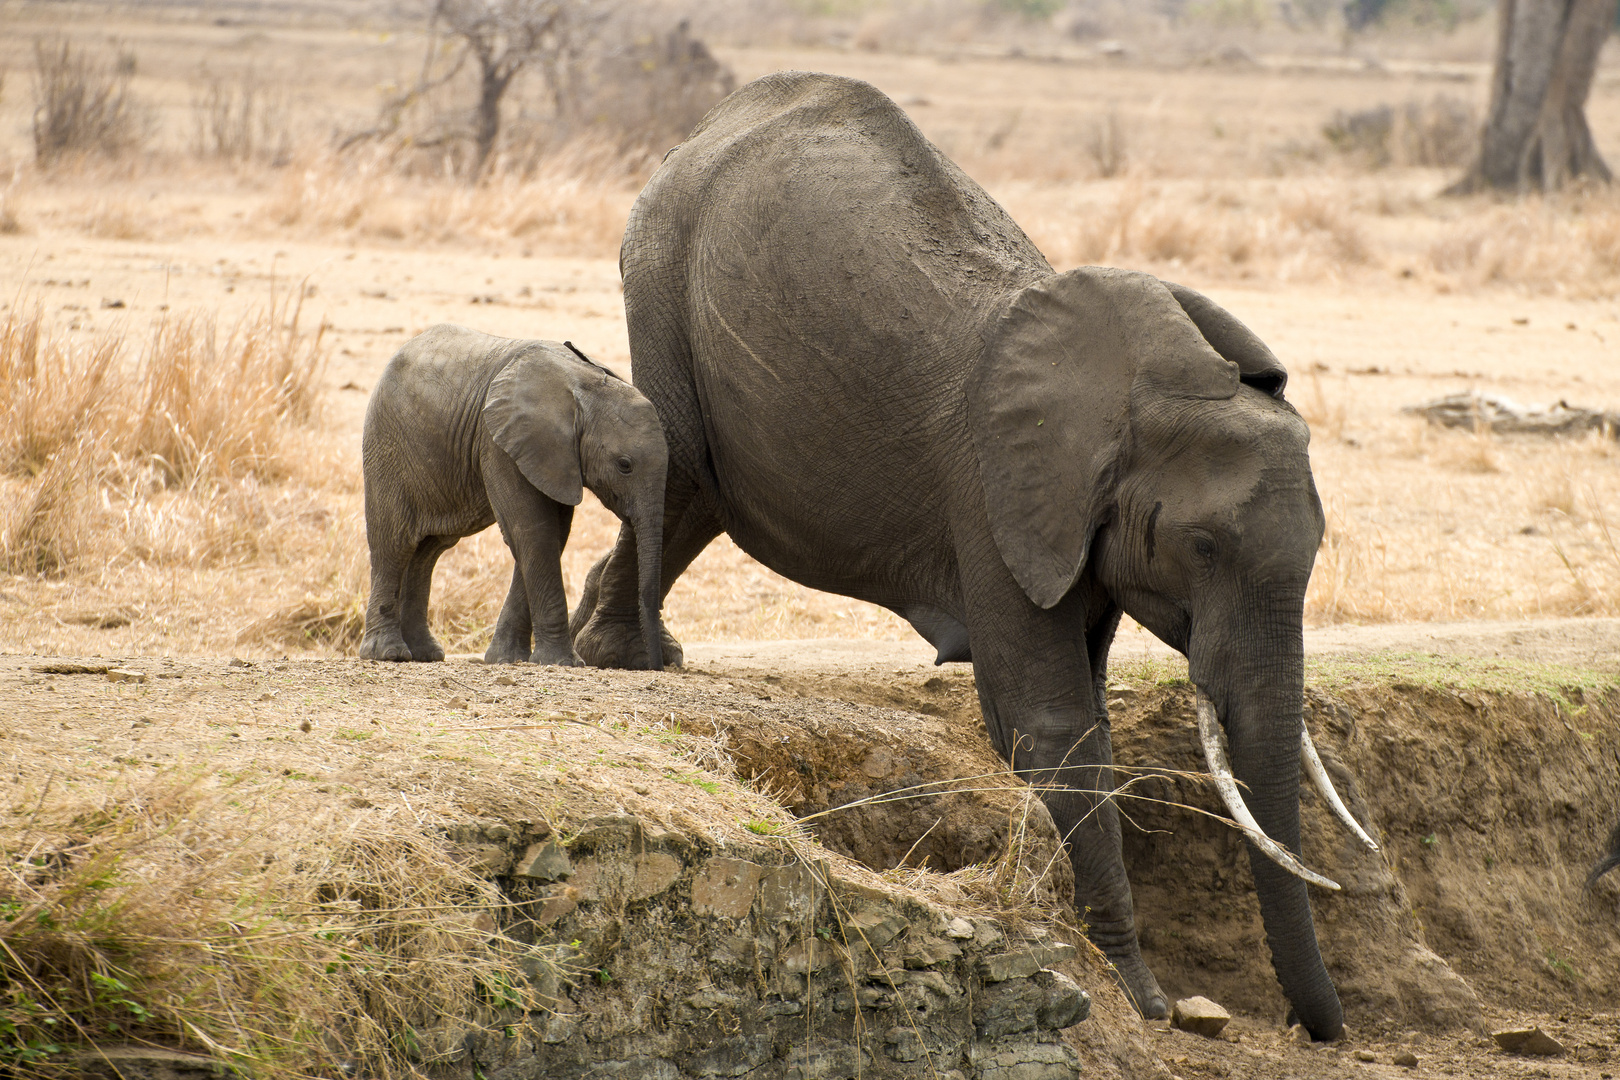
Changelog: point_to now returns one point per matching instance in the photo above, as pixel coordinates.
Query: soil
(1491, 784)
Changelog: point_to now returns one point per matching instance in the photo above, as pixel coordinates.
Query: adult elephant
(872, 380)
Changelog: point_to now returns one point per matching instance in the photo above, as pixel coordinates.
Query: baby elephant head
(570, 424)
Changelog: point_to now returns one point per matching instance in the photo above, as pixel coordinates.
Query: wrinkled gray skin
(464, 430)
(872, 380)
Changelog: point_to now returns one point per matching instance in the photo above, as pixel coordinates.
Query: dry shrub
(83, 106)
(242, 121)
(1346, 585)
(10, 223)
(1440, 133)
(53, 388)
(1104, 142)
(218, 917)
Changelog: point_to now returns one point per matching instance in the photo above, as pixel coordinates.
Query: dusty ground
(456, 742)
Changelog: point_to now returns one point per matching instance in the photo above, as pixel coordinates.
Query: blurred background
(219, 219)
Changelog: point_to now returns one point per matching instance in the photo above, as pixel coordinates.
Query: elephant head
(569, 424)
(1133, 439)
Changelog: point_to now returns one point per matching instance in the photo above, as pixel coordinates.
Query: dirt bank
(1491, 784)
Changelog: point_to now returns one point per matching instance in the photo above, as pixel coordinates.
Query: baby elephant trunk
(647, 519)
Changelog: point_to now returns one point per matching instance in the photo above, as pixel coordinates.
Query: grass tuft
(172, 913)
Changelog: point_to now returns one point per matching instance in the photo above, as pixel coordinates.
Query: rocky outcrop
(655, 954)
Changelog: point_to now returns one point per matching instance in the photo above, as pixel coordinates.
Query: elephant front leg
(514, 629)
(1082, 804)
(1033, 671)
(534, 527)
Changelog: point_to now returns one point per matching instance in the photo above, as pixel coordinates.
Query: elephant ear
(531, 413)
(1257, 365)
(1049, 401)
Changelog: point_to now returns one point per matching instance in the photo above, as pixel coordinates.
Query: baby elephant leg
(535, 528)
(389, 559)
(413, 606)
(514, 628)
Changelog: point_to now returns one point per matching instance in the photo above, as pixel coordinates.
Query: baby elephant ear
(1257, 365)
(531, 414)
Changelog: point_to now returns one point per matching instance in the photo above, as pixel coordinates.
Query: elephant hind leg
(389, 563)
(413, 605)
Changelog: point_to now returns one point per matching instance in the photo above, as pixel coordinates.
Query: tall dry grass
(209, 914)
(159, 456)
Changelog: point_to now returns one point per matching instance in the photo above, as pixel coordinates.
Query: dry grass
(567, 208)
(160, 459)
(205, 913)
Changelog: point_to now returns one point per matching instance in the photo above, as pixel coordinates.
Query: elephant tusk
(1220, 768)
(1319, 777)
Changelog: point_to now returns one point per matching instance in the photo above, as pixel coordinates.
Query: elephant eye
(1204, 547)
(625, 465)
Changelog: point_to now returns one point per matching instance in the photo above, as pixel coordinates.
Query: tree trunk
(1535, 134)
(487, 125)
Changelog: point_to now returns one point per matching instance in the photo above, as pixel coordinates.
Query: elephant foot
(1140, 986)
(424, 647)
(554, 654)
(390, 647)
(606, 642)
(507, 652)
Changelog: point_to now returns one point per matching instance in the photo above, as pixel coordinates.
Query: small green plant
(1431, 839)
(760, 827)
(711, 786)
(352, 735)
(1561, 966)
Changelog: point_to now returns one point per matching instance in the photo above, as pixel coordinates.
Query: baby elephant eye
(625, 465)
(1205, 548)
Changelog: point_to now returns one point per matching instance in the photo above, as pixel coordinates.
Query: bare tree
(503, 37)
(1536, 135)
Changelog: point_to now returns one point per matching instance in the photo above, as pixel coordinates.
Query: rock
(505, 680)
(268, 695)
(725, 888)
(1406, 1059)
(1529, 1041)
(1021, 965)
(1365, 1055)
(1298, 1035)
(959, 929)
(125, 675)
(457, 703)
(237, 661)
(1200, 1016)
(306, 725)
(544, 862)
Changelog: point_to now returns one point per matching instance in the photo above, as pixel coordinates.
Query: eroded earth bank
(680, 897)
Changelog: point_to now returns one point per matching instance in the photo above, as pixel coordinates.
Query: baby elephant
(465, 429)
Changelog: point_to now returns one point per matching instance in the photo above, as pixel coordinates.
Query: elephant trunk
(1260, 705)
(647, 519)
